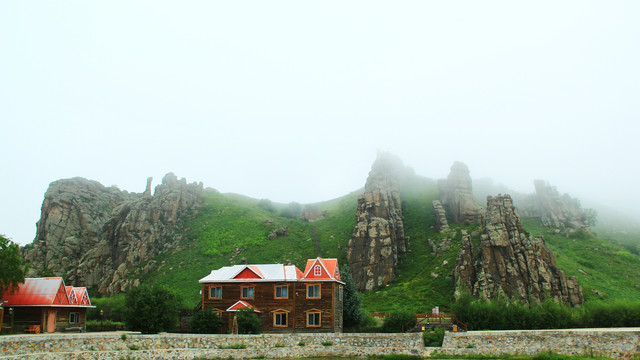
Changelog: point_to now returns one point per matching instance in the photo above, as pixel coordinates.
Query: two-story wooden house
(285, 298)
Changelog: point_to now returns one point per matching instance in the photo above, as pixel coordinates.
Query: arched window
(317, 271)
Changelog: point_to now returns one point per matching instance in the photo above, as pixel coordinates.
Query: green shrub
(248, 321)
(205, 322)
(433, 337)
(150, 309)
(236, 346)
(302, 343)
(327, 343)
(399, 322)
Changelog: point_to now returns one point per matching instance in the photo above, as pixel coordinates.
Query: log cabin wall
(296, 305)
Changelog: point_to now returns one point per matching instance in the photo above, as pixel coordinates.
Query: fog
(291, 100)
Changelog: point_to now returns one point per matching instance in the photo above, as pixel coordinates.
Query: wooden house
(47, 305)
(284, 298)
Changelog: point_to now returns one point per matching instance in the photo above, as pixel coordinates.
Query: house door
(51, 321)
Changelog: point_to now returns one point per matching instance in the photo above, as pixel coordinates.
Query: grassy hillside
(229, 227)
(600, 266)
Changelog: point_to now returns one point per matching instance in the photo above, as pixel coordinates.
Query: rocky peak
(378, 236)
(511, 262)
(94, 234)
(558, 211)
(456, 195)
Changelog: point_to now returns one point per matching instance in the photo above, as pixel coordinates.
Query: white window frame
(73, 315)
(317, 270)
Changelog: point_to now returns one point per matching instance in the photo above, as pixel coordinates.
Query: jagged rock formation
(456, 195)
(511, 262)
(558, 211)
(440, 217)
(94, 235)
(378, 236)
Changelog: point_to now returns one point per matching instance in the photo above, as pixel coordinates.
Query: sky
(292, 100)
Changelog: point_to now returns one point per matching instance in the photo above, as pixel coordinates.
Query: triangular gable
(241, 305)
(311, 274)
(61, 297)
(249, 272)
(73, 300)
(82, 295)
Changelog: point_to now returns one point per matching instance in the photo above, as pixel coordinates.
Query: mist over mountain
(110, 240)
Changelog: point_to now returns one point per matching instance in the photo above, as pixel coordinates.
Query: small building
(47, 305)
(284, 298)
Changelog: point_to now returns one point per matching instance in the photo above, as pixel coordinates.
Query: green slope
(229, 227)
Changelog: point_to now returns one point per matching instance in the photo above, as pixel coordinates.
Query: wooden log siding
(295, 305)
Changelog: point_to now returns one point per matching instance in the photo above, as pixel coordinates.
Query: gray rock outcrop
(511, 262)
(378, 236)
(440, 217)
(558, 211)
(95, 235)
(456, 196)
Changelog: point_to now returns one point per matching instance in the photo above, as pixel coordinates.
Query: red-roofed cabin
(285, 298)
(47, 305)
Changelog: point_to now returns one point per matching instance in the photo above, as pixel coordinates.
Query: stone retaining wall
(616, 343)
(188, 346)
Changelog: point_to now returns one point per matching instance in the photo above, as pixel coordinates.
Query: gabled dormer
(320, 269)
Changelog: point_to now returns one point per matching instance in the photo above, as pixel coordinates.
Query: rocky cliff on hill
(555, 210)
(456, 196)
(511, 262)
(94, 235)
(378, 236)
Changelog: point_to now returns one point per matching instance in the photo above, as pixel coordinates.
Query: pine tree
(353, 316)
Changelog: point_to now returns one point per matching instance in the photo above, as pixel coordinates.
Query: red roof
(250, 272)
(241, 305)
(321, 269)
(49, 291)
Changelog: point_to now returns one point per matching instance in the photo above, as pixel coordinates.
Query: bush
(151, 309)
(433, 337)
(248, 321)
(205, 322)
(399, 322)
(113, 308)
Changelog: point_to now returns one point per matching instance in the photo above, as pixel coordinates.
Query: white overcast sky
(291, 100)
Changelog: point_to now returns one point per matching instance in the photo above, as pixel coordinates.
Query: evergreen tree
(353, 316)
(151, 309)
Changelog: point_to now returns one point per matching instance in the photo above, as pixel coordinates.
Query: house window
(313, 291)
(247, 292)
(282, 292)
(280, 319)
(340, 292)
(215, 292)
(313, 319)
(74, 318)
(317, 271)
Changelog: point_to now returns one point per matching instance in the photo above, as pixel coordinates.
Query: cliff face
(456, 195)
(95, 235)
(512, 263)
(378, 236)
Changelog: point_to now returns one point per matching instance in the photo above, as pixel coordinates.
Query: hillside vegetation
(230, 227)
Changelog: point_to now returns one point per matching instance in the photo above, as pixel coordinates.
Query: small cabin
(283, 297)
(46, 305)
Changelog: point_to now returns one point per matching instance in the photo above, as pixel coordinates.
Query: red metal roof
(49, 291)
